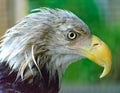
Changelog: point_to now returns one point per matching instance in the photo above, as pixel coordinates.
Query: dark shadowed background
(103, 19)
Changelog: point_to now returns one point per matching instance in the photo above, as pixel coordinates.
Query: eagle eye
(71, 35)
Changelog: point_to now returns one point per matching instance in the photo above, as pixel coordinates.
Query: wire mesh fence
(3, 16)
(113, 88)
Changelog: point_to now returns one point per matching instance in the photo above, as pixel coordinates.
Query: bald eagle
(36, 51)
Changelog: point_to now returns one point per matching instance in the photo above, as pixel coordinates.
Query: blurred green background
(98, 14)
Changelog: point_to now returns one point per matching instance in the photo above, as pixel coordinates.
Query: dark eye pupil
(72, 34)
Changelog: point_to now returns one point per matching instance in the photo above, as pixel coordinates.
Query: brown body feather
(9, 84)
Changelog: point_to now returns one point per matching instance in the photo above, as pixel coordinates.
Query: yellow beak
(98, 52)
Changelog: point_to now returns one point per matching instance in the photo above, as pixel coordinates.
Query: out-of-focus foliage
(99, 23)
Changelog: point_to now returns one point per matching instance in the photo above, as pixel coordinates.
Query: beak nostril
(96, 44)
